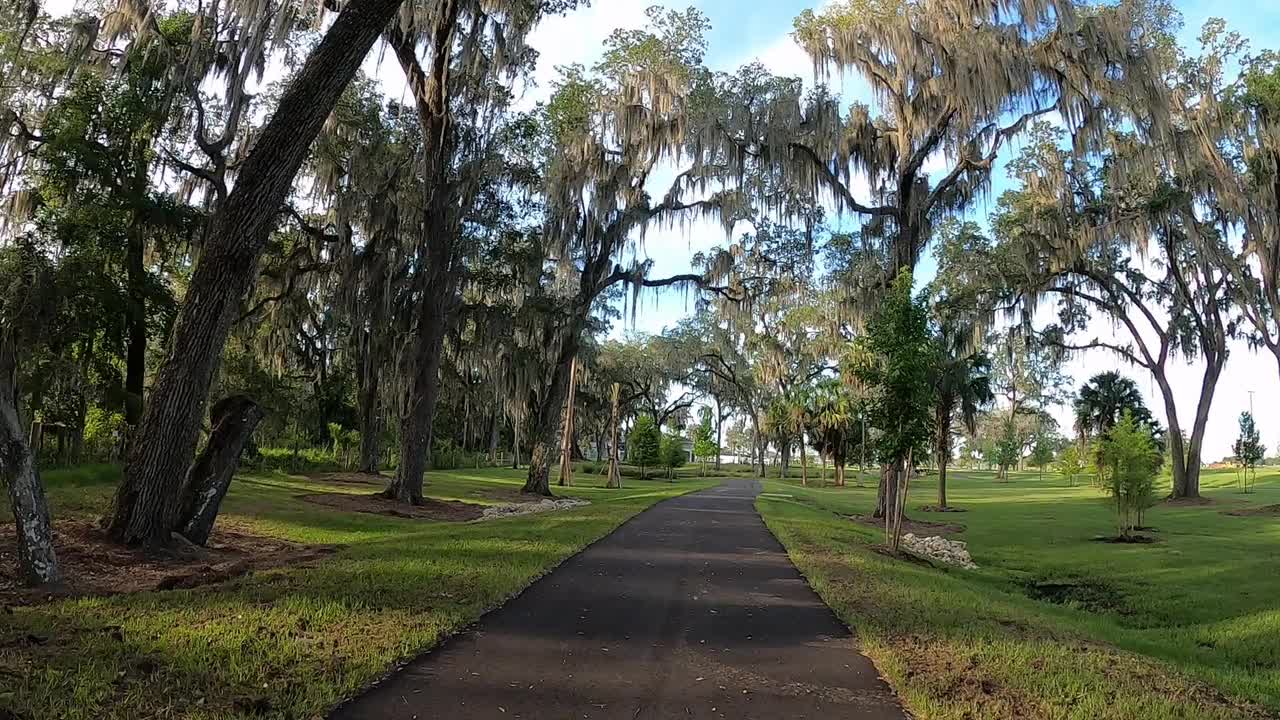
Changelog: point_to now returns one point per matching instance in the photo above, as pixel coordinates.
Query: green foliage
(671, 453)
(1248, 449)
(104, 433)
(704, 440)
(1129, 461)
(1070, 463)
(1043, 450)
(893, 359)
(644, 444)
(1104, 399)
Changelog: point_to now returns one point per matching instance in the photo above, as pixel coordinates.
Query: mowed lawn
(1056, 624)
(290, 643)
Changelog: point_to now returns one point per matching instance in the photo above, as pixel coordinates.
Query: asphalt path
(691, 609)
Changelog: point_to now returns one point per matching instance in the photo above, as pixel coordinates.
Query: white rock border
(496, 512)
(951, 552)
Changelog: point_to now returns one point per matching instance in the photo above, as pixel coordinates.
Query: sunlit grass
(1188, 627)
(292, 642)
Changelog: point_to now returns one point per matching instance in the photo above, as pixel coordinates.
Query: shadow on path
(689, 610)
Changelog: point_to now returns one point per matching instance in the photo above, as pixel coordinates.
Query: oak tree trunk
(234, 419)
(147, 501)
(37, 561)
(550, 406)
(416, 422)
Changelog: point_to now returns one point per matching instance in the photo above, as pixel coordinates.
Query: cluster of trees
(181, 226)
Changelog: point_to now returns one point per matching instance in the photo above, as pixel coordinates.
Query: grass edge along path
(293, 642)
(953, 648)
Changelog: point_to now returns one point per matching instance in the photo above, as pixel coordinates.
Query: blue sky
(742, 32)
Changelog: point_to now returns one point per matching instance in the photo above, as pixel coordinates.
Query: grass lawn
(290, 643)
(1188, 627)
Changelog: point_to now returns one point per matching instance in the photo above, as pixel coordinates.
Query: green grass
(290, 643)
(1188, 627)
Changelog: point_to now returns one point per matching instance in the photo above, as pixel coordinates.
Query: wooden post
(566, 445)
(615, 472)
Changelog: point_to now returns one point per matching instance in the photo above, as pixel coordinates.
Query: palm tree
(963, 385)
(1102, 401)
(797, 421)
(831, 417)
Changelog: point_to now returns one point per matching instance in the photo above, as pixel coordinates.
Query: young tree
(704, 443)
(644, 444)
(1129, 460)
(672, 453)
(893, 360)
(1249, 451)
(1042, 452)
(1070, 464)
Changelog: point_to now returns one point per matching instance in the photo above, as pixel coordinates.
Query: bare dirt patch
(942, 509)
(1127, 539)
(919, 527)
(92, 565)
(1265, 511)
(349, 478)
(446, 510)
(1189, 502)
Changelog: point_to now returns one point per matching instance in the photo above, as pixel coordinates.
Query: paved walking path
(689, 610)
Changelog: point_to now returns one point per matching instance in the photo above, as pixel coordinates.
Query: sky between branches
(746, 32)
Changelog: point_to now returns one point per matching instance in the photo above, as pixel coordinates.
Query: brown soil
(1265, 511)
(943, 509)
(349, 478)
(93, 565)
(1189, 502)
(918, 527)
(1130, 540)
(449, 511)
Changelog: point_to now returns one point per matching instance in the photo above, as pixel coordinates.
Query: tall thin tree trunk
(566, 450)
(135, 373)
(804, 463)
(37, 561)
(147, 500)
(615, 421)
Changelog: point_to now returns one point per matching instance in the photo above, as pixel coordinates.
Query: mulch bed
(918, 527)
(448, 511)
(942, 509)
(93, 565)
(1265, 511)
